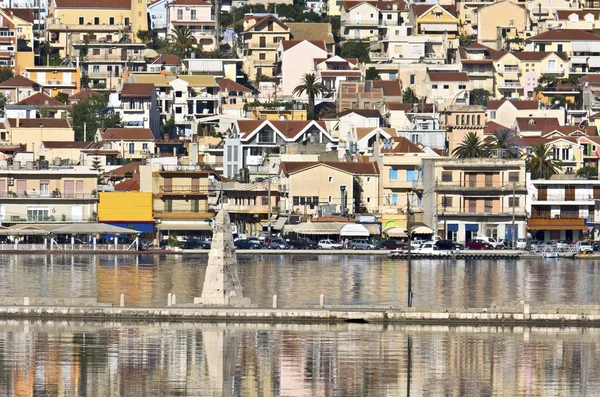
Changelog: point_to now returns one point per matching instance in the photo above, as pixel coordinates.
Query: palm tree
(540, 162)
(182, 41)
(471, 147)
(504, 142)
(312, 87)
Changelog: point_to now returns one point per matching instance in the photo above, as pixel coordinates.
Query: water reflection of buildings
(79, 359)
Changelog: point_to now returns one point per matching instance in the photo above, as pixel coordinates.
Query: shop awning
(354, 230)
(395, 232)
(280, 222)
(92, 228)
(422, 229)
(471, 227)
(319, 228)
(372, 228)
(184, 226)
(452, 227)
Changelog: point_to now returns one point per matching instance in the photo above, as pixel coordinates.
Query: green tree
(372, 74)
(144, 35)
(92, 113)
(356, 49)
(182, 42)
(5, 74)
(558, 101)
(312, 87)
(4, 100)
(470, 148)
(504, 142)
(409, 96)
(540, 163)
(464, 40)
(587, 172)
(480, 96)
(62, 97)
(226, 18)
(167, 126)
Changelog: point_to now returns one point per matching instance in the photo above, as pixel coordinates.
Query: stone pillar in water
(222, 285)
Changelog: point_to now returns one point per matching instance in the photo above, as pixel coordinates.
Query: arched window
(457, 119)
(468, 120)
(478, 120)
(462, 120)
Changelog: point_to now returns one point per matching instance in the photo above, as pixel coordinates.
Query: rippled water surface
(300, 279)
(85, 359)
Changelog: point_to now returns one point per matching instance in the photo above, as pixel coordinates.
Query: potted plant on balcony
(10, 193)
(56, 193)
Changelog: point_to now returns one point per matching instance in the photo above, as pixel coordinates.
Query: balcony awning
(421, 229)
(373, 229)
(585, 46)
(578, 60)
(185, 226)
(322, 228)
(354, 230)
(280, 222)
(594, 62)
(439, 27)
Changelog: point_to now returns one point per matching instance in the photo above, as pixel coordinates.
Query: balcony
(47, 219)
(360, 22)
(510, 85)
(511, 69)
(121, 58)
(408, 185)
(480, 187)
(481, 215)
(54, 24)
(553, 72)
(133, 109)
(55, 195)
(557, 223)
(188, 190)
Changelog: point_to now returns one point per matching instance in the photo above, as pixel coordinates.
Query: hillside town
(312, 119)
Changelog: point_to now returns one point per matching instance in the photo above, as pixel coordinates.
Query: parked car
(416, 243)
(276, 243)
(303, 243)
(562, 244)
(449, 245)
(477, 244)
(490, 240)
(255, 239)
(392, 245)
(597, 246)
(329, 245)
(431, 248)
(521, 243)
(533, 245)
(586, 246)
(362, 244)
(245, 244)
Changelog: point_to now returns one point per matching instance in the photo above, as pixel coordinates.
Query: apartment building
(32, 132)
(505, 112)
(196, 15)
(477, 61)
(447, 88)
(137, 105)
(370, 94)
(500, 21)
(332, 71)
(297, 58)
(53, 80)
(435, 20)
(130, 143)
(466, 198)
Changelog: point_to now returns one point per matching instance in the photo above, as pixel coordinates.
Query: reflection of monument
(221, 349)
(221, 283)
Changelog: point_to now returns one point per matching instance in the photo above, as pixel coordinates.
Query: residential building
(114, 208)
(542, 12)
(363, 140)
(370, 94)
(332, 71)
(53, 80)
(477, 61)
(500, 21)
(314, 31)
(359, 20)
(157, 15)
(420, 124)
(65, 194)
(50, 107)
(562, 208)
(345, 187)
(400, 45)
(59, 152)
(24, 8)
(258, 45)
(18, 88)
(169, 62)
(136, 103)
(565, 18)
(195, 15)
(219, 68)
(296, 59)
(460, 120)
(23, 20)
(233, 97)
(83, 94)
(533, 126)
(8, 41)
(257, 144)
(435, 20)
(131, 143)
(466, 198)
(33, 132)
(343, 124)
(505, 112)
(447, 88)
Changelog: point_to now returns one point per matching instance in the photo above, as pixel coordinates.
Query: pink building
(196, 15)
(297, 57)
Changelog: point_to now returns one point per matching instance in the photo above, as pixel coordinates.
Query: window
(178, 94)
(434, 86)
(492, 115)
(329, 199)
(179, 14)
(193, 15)
(446, 86)
(368, 199)
(446, 202)
(513, 202)
(446, 176)
(462, 87)
(262, 56)
(96, 69)
(457, 119)
(131, 148)
(178, 109)
(195, 205)
(559, 47)
(96, 21)
(266, 135)
(393, 174)
(414, 138)
(168, 205)
(81, 21)
(296, 200)
(412, 79)
(513, 177)
(126, 21)
(144, 146)
(37, 214)
(111, 20)
(44, 188)
(330, 179)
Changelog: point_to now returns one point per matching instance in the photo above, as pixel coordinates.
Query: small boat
(550, 255)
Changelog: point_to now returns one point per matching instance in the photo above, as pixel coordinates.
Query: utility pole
(218, 23)
(408, 257)
(269, 202)
(513, 217)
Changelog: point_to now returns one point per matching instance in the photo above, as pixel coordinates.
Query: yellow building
(115, 208)
(131, 143)
(434, 20)
(259, 42)
(55, 79)
(278, 114)
(33, 132)
(23, 20)
(311, 188)
(499, 21)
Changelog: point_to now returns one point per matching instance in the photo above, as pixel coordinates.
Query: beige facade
(461, 120)
(55, 79)
(359, 21)
(53, 195)
(467, 198)
(499, 21)
(33, 132)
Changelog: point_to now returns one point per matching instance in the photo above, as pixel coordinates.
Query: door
(123, 54)
(471, 180)
(262, 42)
(67, 78)
(77, 213)
(195, 185)
(570, 193)
(168, 187)
(41, 78)
(69, 189)
(21, 188)
(2, 187)
(356, 34)
(542, 193)
(489, 180)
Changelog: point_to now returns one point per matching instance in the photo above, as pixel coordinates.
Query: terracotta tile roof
(538, 56)
(287, 44)
(266, 18)
(349, 167)
(398, 106)
(311, 31)
(564, 14)
(388, 5)
(402, 145)
(123, 171)
(448, 76)
(591, 79)
(167, 59)
(39, 123)
(128, 134)
(569, 129)
(230, 85)
(348, 5)
(18, 81)
(492, 126)
(192, 2)
(40, 99)
(25, 14)
(390, 87)
(362, 132)
(565, 35)
(369, 113)
(536, 123)
(137, 90)
(440, 152)
(66, 145)
(288, 128)
(494, 104)
(529, 141)
(347, 73)
(131, 184)
(110, 4)
(83, 94)
(595, 116)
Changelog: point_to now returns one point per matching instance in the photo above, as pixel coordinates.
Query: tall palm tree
(182, 41)
(312, 87)
(504, 142)
(471, 147)
(540, 163)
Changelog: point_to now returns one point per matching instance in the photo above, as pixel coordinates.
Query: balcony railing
(52, 195)
(361, 22)
(482, 185)
(511, 69)
(510, 85)
(47, 219)
(181, 190)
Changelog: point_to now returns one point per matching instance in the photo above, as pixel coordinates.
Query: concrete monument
(222, 285)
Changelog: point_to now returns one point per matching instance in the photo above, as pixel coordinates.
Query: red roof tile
(40, 99)
(349, 167)
(288, 128)
(569, 129)
(39, 123)
(137, 90)
(565, 35)
(25, 14)
(167, 59)
(535, 123)
(494, 104)
(141, 134)
(447, 76)
(287, 44)
(83, 94)
(18, 81)
(390, 87)
(110, 4)
(230, 85)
